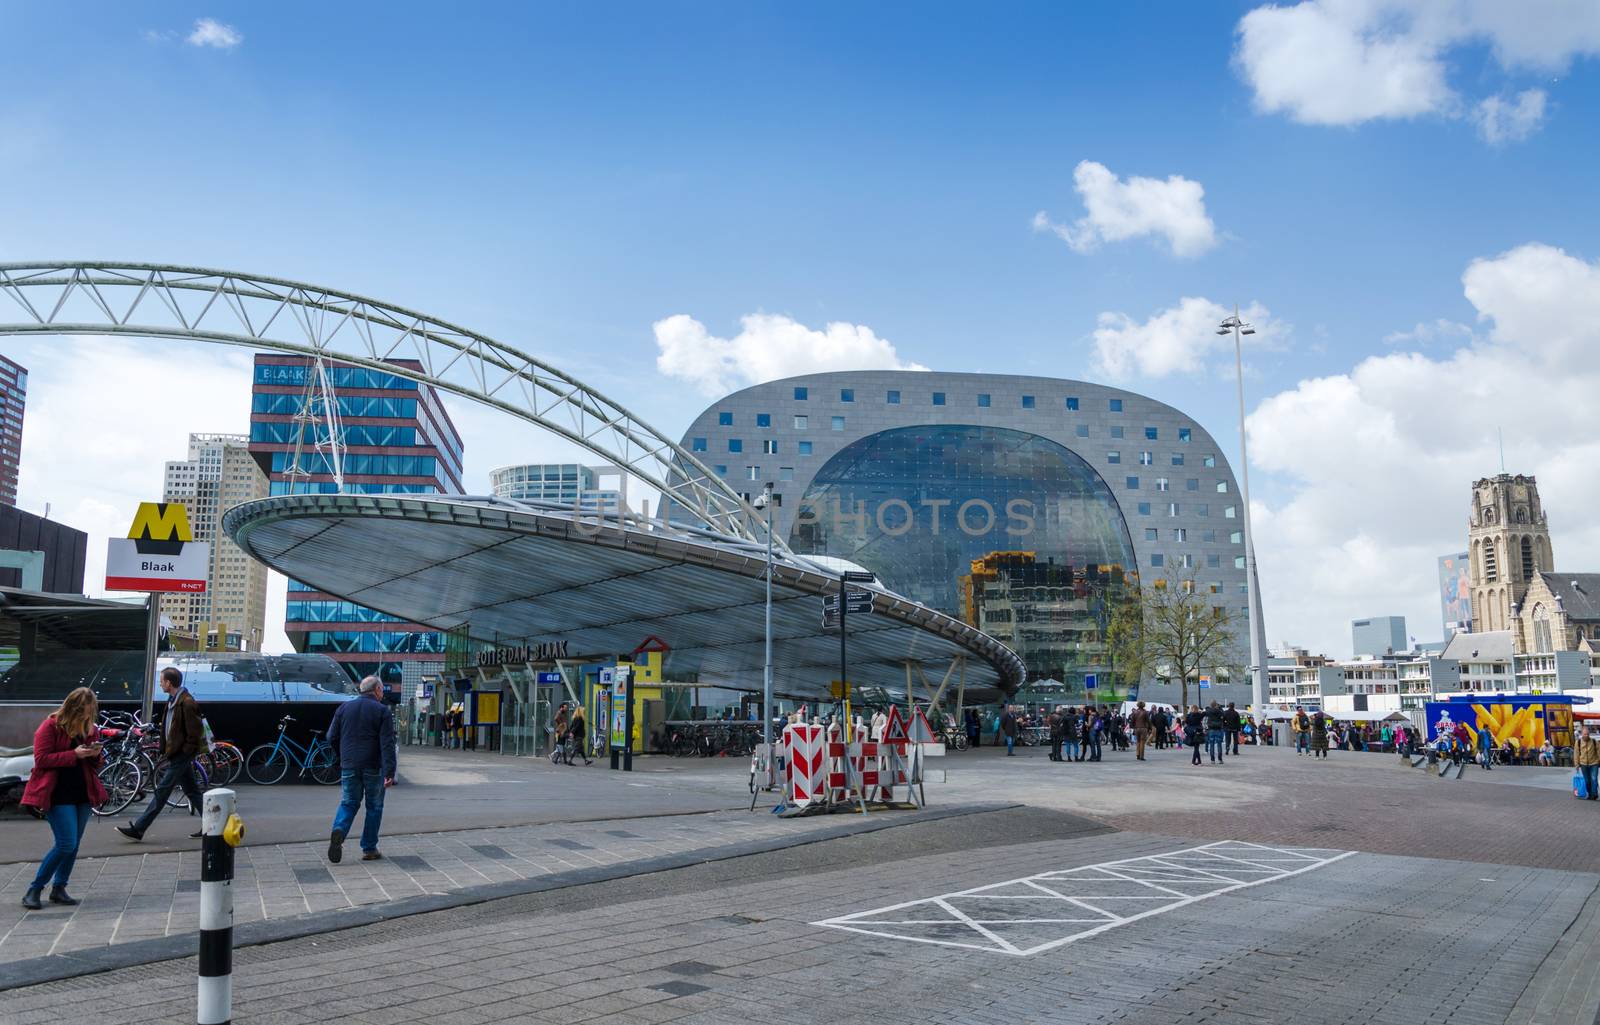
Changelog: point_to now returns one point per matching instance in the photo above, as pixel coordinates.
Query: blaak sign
(159, 553)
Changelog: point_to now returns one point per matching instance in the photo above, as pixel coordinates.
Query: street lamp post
(765, 502)
(1258, 664)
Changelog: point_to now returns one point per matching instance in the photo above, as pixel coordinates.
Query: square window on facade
(893, 398)
(983, 400)
(724, 419)
(769, 447)
(1151, 534)
(938, 398)
(1191, 485)
(1072, 403)
(722, 469)
(786, 473)
(1210, 460)
(838, 423)
(1185, 434)
(1230, 512)
(801, 394)
(1177, 459)
(1144, 508)
(1116, 431)
(753, 472)
(1208, 536)
(735, 445)
(1157, 559)
(1133, 482)
(1186, 561)
(1113, 457)
(805, 448)
(1027, 402)
(1147, 458)
(847, 394)
(1222, 487)
(697, 445)
(1202, 509)
(1173, 509)
(763, 419)
(800, 423)
(1116, 405)
(1213, 561)
(1238, 562)
(1180, 534)
(1163, 484)
(1082, 430)
(1150, 433)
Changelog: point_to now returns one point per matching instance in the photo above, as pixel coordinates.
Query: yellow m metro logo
(161, 522)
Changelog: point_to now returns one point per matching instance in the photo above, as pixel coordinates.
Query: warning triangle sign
(921, 732)
(894, 731)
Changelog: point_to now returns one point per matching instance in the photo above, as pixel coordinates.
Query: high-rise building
(1509, 542)
(1377, 636)
(568, 484)
(232, 613)
(13, 397)
(397, 438)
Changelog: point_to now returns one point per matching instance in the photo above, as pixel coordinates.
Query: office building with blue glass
(398, 440)
(1026, 506)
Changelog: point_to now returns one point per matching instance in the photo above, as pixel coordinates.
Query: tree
(1171, 629)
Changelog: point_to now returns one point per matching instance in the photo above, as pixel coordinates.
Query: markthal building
(1023, 506)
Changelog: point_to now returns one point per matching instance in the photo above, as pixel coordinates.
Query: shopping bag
(1579, 789)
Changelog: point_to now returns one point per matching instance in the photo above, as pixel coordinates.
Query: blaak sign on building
(159, 553)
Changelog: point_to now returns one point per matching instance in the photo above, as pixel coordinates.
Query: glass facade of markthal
(1025, 506)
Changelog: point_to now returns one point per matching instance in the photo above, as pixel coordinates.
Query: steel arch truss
(192, 303)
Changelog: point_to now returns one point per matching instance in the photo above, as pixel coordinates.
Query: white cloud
(1182, 339)
(768, 347)
(1344, 62)
(1374, 465)
(213, 33)
(1501, 120)
(1433, 332)
(1116, 210)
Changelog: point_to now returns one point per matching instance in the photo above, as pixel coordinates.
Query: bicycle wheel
(122, 781)
(229, 762)
(266, 765)
(324, 767)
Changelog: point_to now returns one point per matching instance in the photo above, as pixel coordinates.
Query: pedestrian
(1008, 729)
(974, 728)
(1216, 731)
(362, 735)
(1301, 726)
(1586, 755)
(559, 726)
(1054, 721)
(1319, 735)
(1231, 724)
(1193, 730)
(64, 788)
(1485, 749)
(1158, 727)
(1140, 720)
(578, 731)
(181, 739)
(1093, 731)
(1071, 749)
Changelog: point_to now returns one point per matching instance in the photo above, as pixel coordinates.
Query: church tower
(1510, 543)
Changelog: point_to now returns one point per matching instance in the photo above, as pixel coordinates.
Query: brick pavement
(1370, 939)
(144, 896)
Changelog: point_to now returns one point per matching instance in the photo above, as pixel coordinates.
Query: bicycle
(268, 764)
(222, 763)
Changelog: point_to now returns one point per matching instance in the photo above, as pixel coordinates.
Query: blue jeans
(1591, 776)
(1214, 744)
(353, 785)
(67, 822)
(1302, 742)
(1069, 750)
(1011, 742)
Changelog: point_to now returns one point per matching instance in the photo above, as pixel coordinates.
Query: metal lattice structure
(197, 304)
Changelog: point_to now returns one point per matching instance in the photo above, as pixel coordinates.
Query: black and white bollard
(221, 832)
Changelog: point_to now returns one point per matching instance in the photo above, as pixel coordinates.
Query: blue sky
(564, 176)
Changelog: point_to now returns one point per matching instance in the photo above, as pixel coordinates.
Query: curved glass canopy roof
(511, 572)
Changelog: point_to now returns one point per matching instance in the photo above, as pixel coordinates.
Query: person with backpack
(1485, 749)
(1193, 728)
(1230, 727)
(1216, 732)
(1301, 726)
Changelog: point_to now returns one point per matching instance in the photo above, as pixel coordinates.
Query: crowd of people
(1083, 733)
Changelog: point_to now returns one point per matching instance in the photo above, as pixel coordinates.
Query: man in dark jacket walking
(1231, 723)
(182, 736)
(362, 734)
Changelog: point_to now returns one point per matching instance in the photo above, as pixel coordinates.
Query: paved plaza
(1269, 889)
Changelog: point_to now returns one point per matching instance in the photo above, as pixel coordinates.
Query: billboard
(1455, 593)
(1529, 720)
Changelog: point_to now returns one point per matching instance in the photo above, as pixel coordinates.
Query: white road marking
(1168, 881)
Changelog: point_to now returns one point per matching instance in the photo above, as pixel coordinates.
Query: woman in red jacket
(65, 786)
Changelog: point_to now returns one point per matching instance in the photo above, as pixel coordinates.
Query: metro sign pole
(159, 556)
